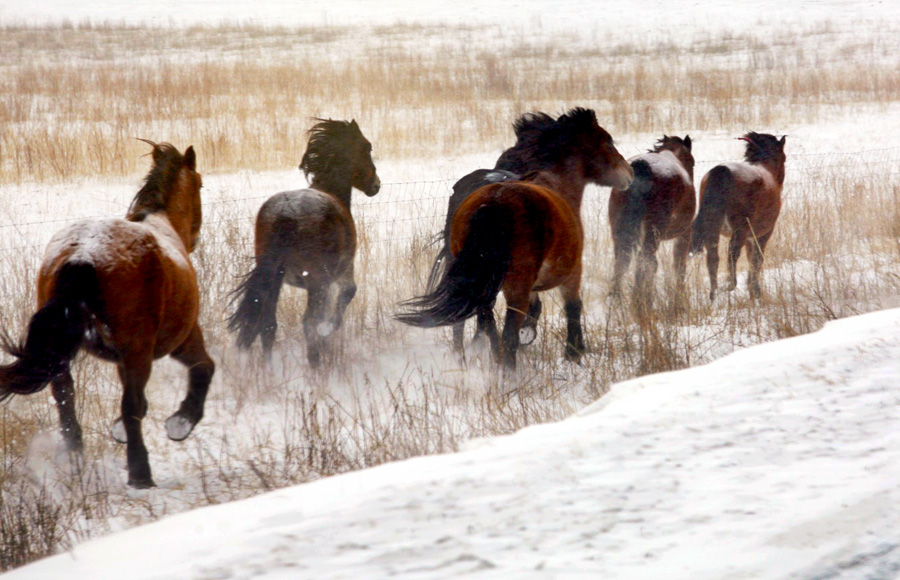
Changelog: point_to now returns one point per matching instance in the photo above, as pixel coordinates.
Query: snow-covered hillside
(778, 461)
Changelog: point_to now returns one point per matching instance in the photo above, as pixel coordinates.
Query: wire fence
(404, 211)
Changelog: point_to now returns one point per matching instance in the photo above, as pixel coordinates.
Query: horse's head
(763, 148)
(680, 148)
(604, 165)
(365, 177)
(172, 187)
(339, 157)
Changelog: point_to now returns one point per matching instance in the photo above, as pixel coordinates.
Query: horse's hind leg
(529, 327)
(623, 244)
(645, 273)
(679, 259)
(193, 355)
(486, 325)
(738, 238)
(755, 249)
(64, 394)
(134, 373)
(712, 266)
(315, 313)
(459, 336)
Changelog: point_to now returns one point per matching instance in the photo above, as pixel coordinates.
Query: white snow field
(778, 461)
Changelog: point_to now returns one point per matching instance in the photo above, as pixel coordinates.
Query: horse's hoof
(141, 482)
(178, 427)
(118, 432)
(325, 329)
(573, 355)
(527, 334)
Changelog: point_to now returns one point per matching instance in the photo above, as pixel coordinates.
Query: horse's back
(546, 229)
(145, 283)
(312, 231)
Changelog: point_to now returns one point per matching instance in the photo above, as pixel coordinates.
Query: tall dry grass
(72, 98)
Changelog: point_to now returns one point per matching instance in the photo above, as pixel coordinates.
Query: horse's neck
(775, 168)
(571, 189)
(339, 191)
(161, 223)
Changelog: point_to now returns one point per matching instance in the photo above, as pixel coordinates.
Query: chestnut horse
(307, 238)
(658, 205)
(524, 237)
(123, 290)
(542, 144)
(745, 198)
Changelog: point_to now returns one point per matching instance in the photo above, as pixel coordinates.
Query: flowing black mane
(762, 147)
(542, 142)
(153, 196)
(666, 139)
(331, 145)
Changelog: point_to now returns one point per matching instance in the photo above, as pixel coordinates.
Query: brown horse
(307, 238)
(659, 205)
(125, 291)
(745, 198)
(543, 143)
(524, 237)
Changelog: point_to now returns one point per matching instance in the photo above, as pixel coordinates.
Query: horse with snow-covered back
(658, 205)
(741, 200)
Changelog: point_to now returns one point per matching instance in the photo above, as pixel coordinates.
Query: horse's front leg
(755, 249)
(201, 367)
(571, 295)
(134, 372)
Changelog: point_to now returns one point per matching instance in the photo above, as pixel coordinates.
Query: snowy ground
(779, 461)
(776, 462)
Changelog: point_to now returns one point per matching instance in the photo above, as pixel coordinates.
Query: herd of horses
(125, 290)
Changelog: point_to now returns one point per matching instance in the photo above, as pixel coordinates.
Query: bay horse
(125, 291)
(307, 238)
(742, 200)
(525, 236)
(542, 144)
(658, 205)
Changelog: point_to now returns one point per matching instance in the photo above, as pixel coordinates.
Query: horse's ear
(687, 142)
(783, 139)
(353, 124)
(190, 158)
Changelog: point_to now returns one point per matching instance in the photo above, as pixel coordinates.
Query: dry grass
(243, 96)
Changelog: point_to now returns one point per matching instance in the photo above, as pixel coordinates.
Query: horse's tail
(55, 333)
(636, 198)
(439, 268)
(258, 294)
(474, 277)
(708, 223)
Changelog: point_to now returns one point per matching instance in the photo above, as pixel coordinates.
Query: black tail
(636, 199)
(258, 295)
(474, 277)
(55, 333)
(708, 223)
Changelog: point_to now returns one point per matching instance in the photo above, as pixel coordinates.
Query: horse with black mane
(525, 236)
(542, 143)
(658, 205)
(307, 238)
(125, 291)
(742, 200)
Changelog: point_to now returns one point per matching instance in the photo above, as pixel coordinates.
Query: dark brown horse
(745, 200)
(524, 237)
(542, 144)
(658, 205)
(307, 238)
(124, 290)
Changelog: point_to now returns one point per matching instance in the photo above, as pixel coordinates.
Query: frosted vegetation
(436, 101)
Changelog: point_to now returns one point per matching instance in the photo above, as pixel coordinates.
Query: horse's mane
(761, 147)
(153, 196)
(330, 144)
(542, 141)
(661, 143)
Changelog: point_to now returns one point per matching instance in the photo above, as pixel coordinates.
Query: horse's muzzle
(374, 188)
